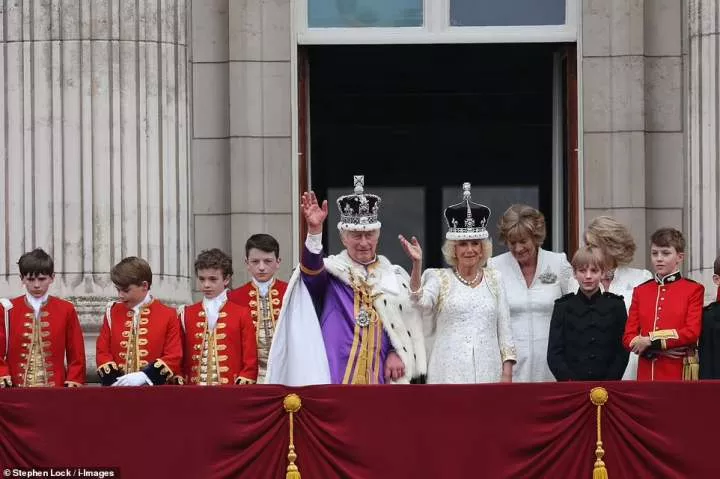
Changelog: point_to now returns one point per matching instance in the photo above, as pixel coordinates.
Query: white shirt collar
(212, 307)
(36, 303)
(263, 286)
(147, 300)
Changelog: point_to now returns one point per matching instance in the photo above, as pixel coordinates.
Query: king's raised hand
(314, 213)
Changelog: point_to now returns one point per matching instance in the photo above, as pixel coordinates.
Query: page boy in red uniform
(41, 341)
(140, 340)
(665, 316)
(219, 340)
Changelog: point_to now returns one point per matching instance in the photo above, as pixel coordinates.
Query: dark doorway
(419, 120)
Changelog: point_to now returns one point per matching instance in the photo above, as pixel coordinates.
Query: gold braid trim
(292, 405)
(444, 288)
(599, 396)
(311, 272)
(663, 334)
(105, 368)
(691, 366)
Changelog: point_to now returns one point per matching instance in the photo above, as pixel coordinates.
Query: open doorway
(419, 120)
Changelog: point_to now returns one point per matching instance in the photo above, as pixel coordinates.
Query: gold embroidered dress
(471, 326)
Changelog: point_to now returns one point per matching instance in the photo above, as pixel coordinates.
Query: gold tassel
(599, 396)
(292, 404)
(691, 367)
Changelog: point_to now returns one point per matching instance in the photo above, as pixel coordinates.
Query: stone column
(260, 126)
(632, 105)
(210, 126)
(613, 99)
(94, 140)
(664, 132)
(702, 110)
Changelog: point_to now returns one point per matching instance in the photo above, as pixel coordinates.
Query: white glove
(133, 379)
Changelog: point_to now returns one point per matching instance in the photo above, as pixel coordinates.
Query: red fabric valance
(651, 430)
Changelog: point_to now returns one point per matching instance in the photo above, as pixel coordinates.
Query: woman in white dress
(467, 317)
(534, 278)
(618, 246)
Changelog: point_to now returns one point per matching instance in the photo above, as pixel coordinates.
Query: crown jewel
(467, 220)
(359, 211)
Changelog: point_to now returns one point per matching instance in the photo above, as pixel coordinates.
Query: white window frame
(436, 29)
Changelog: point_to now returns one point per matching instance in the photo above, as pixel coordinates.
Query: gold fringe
(599, 396)
(691, 367)
(292, 404)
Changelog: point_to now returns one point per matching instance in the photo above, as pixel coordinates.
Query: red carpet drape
(660, 430)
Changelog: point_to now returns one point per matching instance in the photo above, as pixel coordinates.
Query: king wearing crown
(347, 318)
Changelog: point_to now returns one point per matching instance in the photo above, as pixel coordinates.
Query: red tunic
(158, 343)
(247, 294)
(59, 340)
(669, 311)
(265, 313)
(232, 345)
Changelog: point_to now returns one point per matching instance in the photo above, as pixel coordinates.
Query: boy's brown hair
(588, 256)
(131, 271)
(716, 266)
(214, 259)
(36, 262)
(669, 237)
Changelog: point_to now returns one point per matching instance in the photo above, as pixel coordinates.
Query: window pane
(483, 13)
(498, 199)
(402, 211)
(365, 13)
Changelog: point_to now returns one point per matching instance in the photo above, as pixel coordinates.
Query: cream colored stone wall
(95, 146)
(632, 111)
(241, 125)
(702, 110)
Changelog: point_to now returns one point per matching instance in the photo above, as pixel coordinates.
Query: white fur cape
(297, 355)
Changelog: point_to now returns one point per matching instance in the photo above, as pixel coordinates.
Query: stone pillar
(210, 126)
(95, 146)
(702, 110)
(260, 126)
(613, 105)
(664, 136)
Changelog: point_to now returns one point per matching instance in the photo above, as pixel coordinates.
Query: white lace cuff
(314, 243)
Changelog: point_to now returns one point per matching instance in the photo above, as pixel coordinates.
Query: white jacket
(531, 309)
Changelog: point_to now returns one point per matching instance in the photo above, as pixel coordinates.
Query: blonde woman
(468, 322)
(618, 247)
(533, 278)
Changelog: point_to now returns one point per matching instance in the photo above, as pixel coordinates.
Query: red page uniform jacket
(34, 350)
(265, 311)
(150, 342)
(669, 311)
(225, 354)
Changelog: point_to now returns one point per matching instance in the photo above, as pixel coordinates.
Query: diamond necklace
(466, 282)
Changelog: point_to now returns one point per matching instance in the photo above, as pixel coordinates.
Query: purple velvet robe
(334, 303)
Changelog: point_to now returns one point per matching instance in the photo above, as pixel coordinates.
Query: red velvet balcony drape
(655, 430)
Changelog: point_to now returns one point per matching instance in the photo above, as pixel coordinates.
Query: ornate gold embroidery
(37, 368)
(360, 368)
(264, 320)
(208, 371)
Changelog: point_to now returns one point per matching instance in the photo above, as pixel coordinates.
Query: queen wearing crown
(466, 311)
(347, 318)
